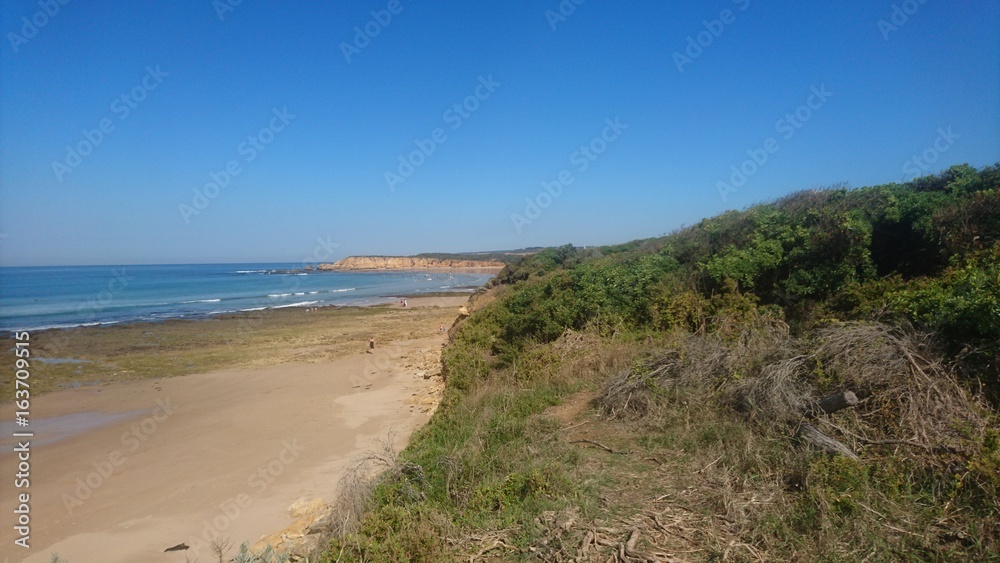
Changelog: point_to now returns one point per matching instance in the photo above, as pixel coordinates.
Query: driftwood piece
(831, 403)
(813, 436)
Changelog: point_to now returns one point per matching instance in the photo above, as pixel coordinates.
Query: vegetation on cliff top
(502, 256)
(505, 256)
(648, 401)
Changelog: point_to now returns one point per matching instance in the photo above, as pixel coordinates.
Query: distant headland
(492, 261)
(409, 263)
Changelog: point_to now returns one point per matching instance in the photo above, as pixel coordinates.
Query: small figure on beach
(371, 345)
(441, 328)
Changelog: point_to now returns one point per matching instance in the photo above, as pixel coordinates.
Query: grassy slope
(665, 423)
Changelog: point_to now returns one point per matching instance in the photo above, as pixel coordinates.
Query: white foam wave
(302, 304)
(70, 325)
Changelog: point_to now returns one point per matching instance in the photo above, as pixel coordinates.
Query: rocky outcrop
(408, 263)
(306, 536)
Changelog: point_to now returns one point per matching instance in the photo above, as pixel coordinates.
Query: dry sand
(124, 470)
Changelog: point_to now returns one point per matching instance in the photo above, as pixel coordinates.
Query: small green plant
(267, 555)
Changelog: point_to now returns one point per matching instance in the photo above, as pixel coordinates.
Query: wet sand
(122, 471)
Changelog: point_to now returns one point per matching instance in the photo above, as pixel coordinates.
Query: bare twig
(498, 543)
(883, 517)
(576, 425)
(874, 442)
(717, 460)
(600, 445)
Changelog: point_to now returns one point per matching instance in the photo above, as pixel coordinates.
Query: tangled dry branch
(911, 398)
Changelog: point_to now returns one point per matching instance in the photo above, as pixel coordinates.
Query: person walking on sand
(371, 345)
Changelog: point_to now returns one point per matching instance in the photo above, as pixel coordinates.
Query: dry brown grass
(688, 454)
(702, 365)
(359, 480)
(909, 397)
(718, 417)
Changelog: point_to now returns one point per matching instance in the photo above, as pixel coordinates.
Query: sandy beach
(122, 470)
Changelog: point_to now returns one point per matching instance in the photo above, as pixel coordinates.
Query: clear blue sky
(217, 81)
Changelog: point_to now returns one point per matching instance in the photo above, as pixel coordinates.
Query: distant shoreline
(457, 293)
(380, 301)
(73, 298)
(89, 354)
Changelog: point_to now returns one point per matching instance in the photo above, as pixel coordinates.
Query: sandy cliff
(407, 263)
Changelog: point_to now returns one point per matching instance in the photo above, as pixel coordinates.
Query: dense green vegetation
(700, 347)
(924, 253)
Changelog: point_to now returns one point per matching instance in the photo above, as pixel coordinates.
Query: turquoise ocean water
(33, 298)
